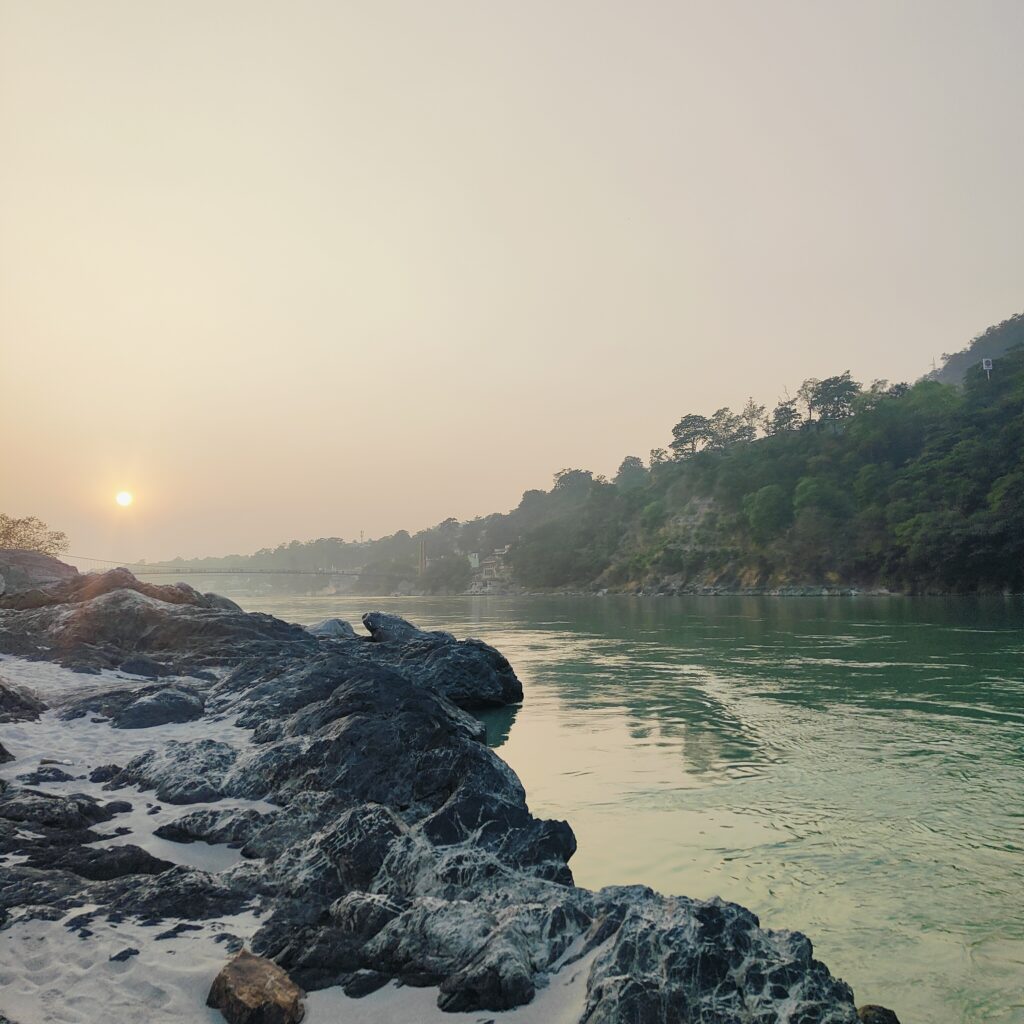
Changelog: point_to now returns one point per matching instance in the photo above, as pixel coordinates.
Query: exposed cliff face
(375, 836)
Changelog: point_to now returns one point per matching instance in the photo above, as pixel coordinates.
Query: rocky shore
(181, 780)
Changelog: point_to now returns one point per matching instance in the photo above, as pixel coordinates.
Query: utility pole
(423, 557)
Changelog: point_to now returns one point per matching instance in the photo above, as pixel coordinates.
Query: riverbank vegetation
(909, 487)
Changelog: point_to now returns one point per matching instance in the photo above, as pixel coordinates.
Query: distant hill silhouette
(996, 341)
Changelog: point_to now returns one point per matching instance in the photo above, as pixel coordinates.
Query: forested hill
(996, 341)
(915, 488)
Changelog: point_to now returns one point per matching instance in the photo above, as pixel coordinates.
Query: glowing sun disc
(124, 498)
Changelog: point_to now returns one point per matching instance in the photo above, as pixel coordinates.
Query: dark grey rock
(76, 811)
(337, 629)
(181, 772)
(469, 673)
(48, 773)
(5, 755)
(172, 704)
(125, 954)
(386, 628)
(19, 704)
(118, 618)
(105, 772)
(872, 1014)
(101, 864)
(213, 825)
(140, 665)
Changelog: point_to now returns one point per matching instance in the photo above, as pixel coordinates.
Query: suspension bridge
(166, 569)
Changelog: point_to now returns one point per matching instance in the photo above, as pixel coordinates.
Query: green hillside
(914, 488)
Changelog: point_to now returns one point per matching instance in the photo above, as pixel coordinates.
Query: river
(852, 768)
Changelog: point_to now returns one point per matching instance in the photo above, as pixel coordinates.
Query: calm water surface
(853, 768)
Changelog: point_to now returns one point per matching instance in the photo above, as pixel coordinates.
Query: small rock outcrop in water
(392, 843)
(251, 990)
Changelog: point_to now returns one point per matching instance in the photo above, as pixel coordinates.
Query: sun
(124, 498)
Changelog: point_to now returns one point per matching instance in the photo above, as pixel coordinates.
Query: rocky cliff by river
(184, 779)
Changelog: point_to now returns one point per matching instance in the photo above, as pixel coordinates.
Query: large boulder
(251, 990)
(118, 620)
(469, 673)
(22, 571)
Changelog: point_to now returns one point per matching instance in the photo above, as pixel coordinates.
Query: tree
(833, 397)
(658, 457)
(753, 416)
(806, 394)
(785, 417)
(690, 433)
(632, 473)
(725, 428)
(448, 574)
(573, 480)
(31, 534)
(769, 511)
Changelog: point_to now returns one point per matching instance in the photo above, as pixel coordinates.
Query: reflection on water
(852, 768)
(498, 722)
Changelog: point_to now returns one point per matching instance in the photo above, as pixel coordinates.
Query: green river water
(853, 768)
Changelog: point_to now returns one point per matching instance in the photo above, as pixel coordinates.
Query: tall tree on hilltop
(690, 434)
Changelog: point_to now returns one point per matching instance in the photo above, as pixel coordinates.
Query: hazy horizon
(296, 271)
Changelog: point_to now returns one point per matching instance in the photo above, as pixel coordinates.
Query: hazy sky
(297, 269)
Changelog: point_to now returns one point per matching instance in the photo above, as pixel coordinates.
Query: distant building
(494, 566)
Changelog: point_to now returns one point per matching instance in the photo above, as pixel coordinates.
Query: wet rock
(5, 755)
(251, 990)
(125, 954)
(872, 1014)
